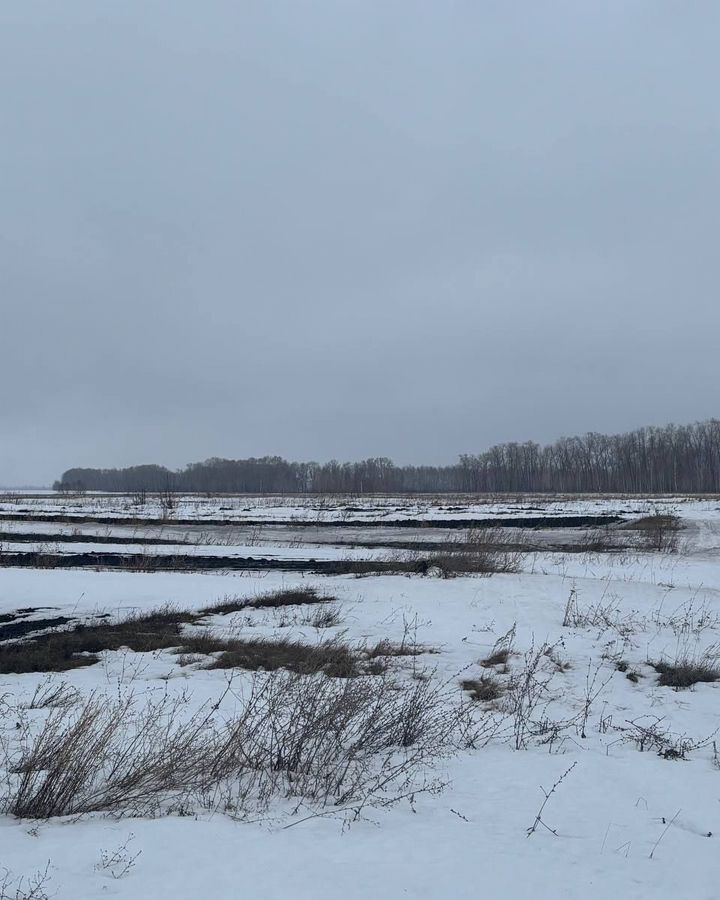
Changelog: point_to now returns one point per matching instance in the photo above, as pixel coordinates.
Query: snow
(324, 509)
(471, 839)
(604, 809)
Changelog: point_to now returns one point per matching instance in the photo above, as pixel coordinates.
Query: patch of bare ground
(62, 649)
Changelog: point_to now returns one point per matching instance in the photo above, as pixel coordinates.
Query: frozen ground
(325, 509)
(638, 816)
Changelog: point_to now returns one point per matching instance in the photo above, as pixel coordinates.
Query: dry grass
(498, 657)
(482, 551)
(163, 629)
(622, 665)
(328, 743)
(483, 689)
(323, 617)
(478, 551)
(89, 760)
(386, 647)
(302, 596)
(685, 672)
(61, 650)
(332, 658)
(659, 532)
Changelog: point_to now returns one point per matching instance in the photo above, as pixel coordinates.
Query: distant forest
(671, 459)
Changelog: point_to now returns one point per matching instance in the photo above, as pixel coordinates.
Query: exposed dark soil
(62, 649)
(494, 521)
(27, 537)
(195, 563)
(17, 627)
(458, 561)
(583, 544)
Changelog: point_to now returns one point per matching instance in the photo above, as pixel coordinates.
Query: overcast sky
(341, 229)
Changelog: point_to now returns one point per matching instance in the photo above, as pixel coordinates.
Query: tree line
(656, 460)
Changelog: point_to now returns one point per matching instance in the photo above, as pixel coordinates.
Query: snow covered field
(561, 653)
(326, 509)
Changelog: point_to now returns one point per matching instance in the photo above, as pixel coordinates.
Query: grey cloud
(330, 229)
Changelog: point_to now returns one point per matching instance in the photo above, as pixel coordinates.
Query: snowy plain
(629, 820)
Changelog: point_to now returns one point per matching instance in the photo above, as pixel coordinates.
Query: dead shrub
(553, 654)
(595, 540)
(481, 551)
(32, 887)
(689, 618)
(605, 615)
(50, 693)
(367, 742)
(105, 756)
(659, 531)
(339, 742)
(649, 733)
(529, 698)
